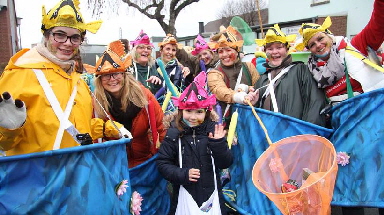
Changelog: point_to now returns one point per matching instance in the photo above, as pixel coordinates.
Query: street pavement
(367, 211)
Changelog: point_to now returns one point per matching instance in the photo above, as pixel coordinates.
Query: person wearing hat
(193, 152)
(143, 66)
(53, 106)
(288, 87)
(174, 69)
(231, 74)
(127, 101)
(334, 58)
(201, 52)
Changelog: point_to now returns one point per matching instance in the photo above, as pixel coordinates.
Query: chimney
(201, 27)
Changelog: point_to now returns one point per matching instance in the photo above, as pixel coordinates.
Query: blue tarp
(77, 180)
(146, 179)
(251, 144)
(359, 131)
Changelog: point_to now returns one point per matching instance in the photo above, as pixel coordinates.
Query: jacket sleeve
(159, 115)
(220, 152)
(7, 138)
(167, 160)
(218, 87)
(373, 32)
(314, 97)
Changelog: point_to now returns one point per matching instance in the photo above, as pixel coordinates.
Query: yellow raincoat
(40, 128)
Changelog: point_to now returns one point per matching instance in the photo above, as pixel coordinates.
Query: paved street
(367, 211)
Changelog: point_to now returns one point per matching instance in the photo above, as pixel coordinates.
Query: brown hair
(180, 123)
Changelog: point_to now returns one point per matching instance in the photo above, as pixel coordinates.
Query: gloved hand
(239, 97)
(125, 132)
(110, 130)
(242, 88)
(12, 113)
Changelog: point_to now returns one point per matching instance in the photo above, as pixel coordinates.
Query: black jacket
(196, 149)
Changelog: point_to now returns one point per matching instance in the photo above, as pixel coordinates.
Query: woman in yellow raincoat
(53, 103)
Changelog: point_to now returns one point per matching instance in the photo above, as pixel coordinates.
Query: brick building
(9, 40)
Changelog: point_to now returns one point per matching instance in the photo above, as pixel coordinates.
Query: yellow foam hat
(170, 39)
(308, 30)
(229, 37)
(274, 34)
(67, 14)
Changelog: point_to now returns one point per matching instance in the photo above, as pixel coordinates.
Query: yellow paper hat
(170, 39)
(67, 14)
(229, 37)
(308, 30)
(274, 34)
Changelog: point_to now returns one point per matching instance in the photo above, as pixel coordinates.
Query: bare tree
(246, 9)
(165, 12)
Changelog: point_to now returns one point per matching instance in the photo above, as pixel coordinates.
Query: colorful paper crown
(67, 14)
(308, 30)
(195, 96)
(111, 62)
(229, 37)
(200, 45)
(170, 39)
(143, 38)
(274, 34)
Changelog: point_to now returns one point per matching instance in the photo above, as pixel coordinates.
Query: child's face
(194, 117)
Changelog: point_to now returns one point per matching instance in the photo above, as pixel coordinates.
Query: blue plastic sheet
(77, 180)
(359, 131)
(146, 180)
(251, 144)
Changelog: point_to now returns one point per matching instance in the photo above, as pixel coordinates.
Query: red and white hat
(143, 38)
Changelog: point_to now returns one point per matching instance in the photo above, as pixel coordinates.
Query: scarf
(67, 65)
(327, 73)
(124, 117)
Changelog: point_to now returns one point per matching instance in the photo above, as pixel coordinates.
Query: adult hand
(185, 71)
(219, 132)
(154, 80)
(125, 133)
(194, 174)
(252, 96)
(12, 113)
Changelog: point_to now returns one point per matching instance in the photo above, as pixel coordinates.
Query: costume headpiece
(195, 96)
(111, 61)
(274, 34)
(200, 45)
(67, 14)
(170, 39)
(229, 37)
(143, 38)
(308, 30)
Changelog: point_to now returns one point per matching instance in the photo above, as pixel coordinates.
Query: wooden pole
(260, 21)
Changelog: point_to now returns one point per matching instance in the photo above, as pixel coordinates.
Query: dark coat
(196, 148)
(297, 94)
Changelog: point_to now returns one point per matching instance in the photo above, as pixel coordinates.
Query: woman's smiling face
(276, 52)
(228, 56)
(64, 50)
(168, 52)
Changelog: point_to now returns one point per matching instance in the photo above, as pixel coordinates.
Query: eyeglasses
(149, 48)
(107, 77)
(62, 38)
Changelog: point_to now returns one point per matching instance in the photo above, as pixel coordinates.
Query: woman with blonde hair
(128, 102)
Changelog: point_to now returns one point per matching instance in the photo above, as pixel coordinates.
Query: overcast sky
(186, 24)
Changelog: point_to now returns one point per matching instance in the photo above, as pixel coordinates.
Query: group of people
(53, 102)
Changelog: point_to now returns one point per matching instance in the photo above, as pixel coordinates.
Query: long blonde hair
(130, 92)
